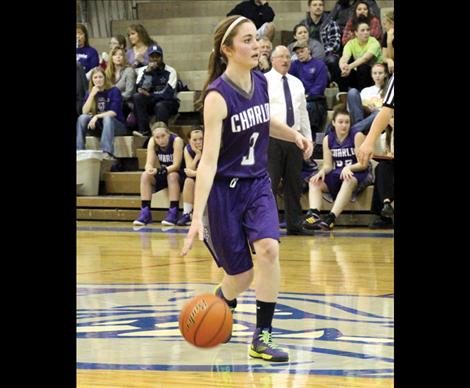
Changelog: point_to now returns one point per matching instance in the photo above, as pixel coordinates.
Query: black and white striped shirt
(389, 94)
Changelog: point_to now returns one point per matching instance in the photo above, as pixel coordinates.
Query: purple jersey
(245, 130)
(343, 153)
(165, 156)
(192, 153)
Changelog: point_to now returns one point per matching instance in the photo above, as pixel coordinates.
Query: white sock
(187, 207)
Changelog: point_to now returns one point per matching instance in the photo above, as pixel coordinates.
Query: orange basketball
(205, 321)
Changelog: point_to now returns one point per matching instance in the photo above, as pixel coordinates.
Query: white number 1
(250, 159)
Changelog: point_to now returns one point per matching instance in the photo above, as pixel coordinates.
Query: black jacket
(258, 14)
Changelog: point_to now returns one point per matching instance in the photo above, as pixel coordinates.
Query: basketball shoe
(145, 217)
(311, 221)
(171, 217)
(184, 220)
(328, 222)
(218, 292)
(263, 347)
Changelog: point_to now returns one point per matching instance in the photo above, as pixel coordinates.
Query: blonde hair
(158, 125)
(107, 85)
(111, 68)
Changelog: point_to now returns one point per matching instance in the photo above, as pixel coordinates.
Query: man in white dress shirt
(288, 104)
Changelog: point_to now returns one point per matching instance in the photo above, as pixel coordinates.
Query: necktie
(289, 107)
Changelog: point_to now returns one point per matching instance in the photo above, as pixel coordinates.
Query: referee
(380, 122)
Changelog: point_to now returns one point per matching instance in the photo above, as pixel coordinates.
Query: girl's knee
(242, 282)
(267, 250)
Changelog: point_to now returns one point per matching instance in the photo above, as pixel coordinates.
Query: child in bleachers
(86, 55)
(364, 51)
(361, 12)
(341, 174)
(123, 76)
(117, 40)
(162, 169)
(102, 111)
(192, 156)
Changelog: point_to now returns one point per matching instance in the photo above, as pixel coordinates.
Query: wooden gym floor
(334, 313)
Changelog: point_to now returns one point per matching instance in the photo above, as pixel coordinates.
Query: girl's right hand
(189, 172)
(320, 175)
(151, 171)
(94, 90)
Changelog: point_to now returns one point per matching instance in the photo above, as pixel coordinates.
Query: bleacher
(184, 29)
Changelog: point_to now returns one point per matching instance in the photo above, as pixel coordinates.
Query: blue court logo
(136, 327)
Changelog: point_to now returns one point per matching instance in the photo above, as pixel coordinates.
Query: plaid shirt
(330, 35)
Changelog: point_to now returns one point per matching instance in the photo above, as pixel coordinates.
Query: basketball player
(341, 175)
(233, 181)
(167, 148)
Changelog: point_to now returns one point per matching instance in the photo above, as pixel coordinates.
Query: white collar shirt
(277, 102)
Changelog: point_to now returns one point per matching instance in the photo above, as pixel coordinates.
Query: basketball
(205, 321)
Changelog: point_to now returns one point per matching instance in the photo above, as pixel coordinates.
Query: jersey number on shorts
(250, 159)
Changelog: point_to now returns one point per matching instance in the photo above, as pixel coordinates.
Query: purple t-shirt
(109, 100)
(88, 57)
(245, 130)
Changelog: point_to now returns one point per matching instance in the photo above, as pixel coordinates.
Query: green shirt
(357, 51)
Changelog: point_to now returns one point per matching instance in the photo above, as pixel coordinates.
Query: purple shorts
(236, 217)
(333, 181)
(161, 182)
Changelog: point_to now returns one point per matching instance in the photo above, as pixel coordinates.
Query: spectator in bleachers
(82, 86)
(192, 156)
(341, 175)
(117, 40)
(123, 76)
(314, 76)
(140, 45)
(264, 60)
(300, 34)
(101, 113)
(162, 169)
(380, 123)
(260, 13)
(287, 104)
(341, 13)
(387, 41)
(362, 13)
(156, 92)
(384, 184)
(364, 51)
(363, 106)
(86, 55)
(325, 30)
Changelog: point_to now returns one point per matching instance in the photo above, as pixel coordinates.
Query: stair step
(127, 182)
(124, 146)
(168, 9)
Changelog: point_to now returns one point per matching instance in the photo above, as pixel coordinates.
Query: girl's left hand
(346, 174)
(92, 122)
